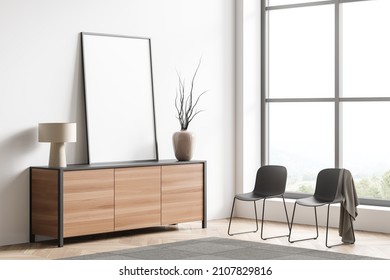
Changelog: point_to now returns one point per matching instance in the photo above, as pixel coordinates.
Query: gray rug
(214, 248)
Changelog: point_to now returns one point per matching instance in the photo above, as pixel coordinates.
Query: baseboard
(370, 218)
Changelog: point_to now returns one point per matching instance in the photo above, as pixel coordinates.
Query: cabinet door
(182, 193)
(137, 197)
(88, 202)
(44, 202)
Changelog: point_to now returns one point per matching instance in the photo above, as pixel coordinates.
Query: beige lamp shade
(57, 134)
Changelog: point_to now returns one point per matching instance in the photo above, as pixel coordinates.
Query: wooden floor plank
(367, 243)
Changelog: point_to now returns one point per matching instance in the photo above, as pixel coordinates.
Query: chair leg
(285, 210)
(327, 228)
(230, 221)
(315, 213)
(291, 226)
(231, 215)
(262, 221)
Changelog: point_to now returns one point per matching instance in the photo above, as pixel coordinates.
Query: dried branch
(185, 106)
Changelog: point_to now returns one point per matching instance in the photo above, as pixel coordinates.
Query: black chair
(328, 191)
(270, 183)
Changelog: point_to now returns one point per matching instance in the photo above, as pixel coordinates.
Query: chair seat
(250, 196)
(311, 201)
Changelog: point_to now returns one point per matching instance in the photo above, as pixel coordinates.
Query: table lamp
(57, 134)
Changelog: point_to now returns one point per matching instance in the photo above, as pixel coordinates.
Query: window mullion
(264, 84)
(338, 85)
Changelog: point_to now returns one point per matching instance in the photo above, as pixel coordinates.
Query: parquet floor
(367, 243)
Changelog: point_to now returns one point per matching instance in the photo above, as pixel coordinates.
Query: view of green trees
(375, 187)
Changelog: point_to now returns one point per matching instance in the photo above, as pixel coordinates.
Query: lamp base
(57, 155)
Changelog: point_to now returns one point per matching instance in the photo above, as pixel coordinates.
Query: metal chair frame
(327, 228)
(262, 219)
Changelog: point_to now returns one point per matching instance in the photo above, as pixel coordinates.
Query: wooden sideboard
(101, 198)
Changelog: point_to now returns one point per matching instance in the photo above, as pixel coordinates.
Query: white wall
(41, 81)
(247, 93)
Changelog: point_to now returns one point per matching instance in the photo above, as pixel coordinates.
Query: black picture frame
(119, 98)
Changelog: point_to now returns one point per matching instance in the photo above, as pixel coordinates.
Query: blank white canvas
(119, 98)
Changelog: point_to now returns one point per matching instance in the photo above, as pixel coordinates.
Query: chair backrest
(328, 185)
(271, 180)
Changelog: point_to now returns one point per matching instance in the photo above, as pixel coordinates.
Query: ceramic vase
(183, 145)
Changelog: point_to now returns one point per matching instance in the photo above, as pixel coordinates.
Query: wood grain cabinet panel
(88, 202)
(182, 193)
(44, 197)
(137, 197)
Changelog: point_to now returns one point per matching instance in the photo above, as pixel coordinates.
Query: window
(301, 54)
(366, 45)
(326, 95)
(303, 144)
(366, 147)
